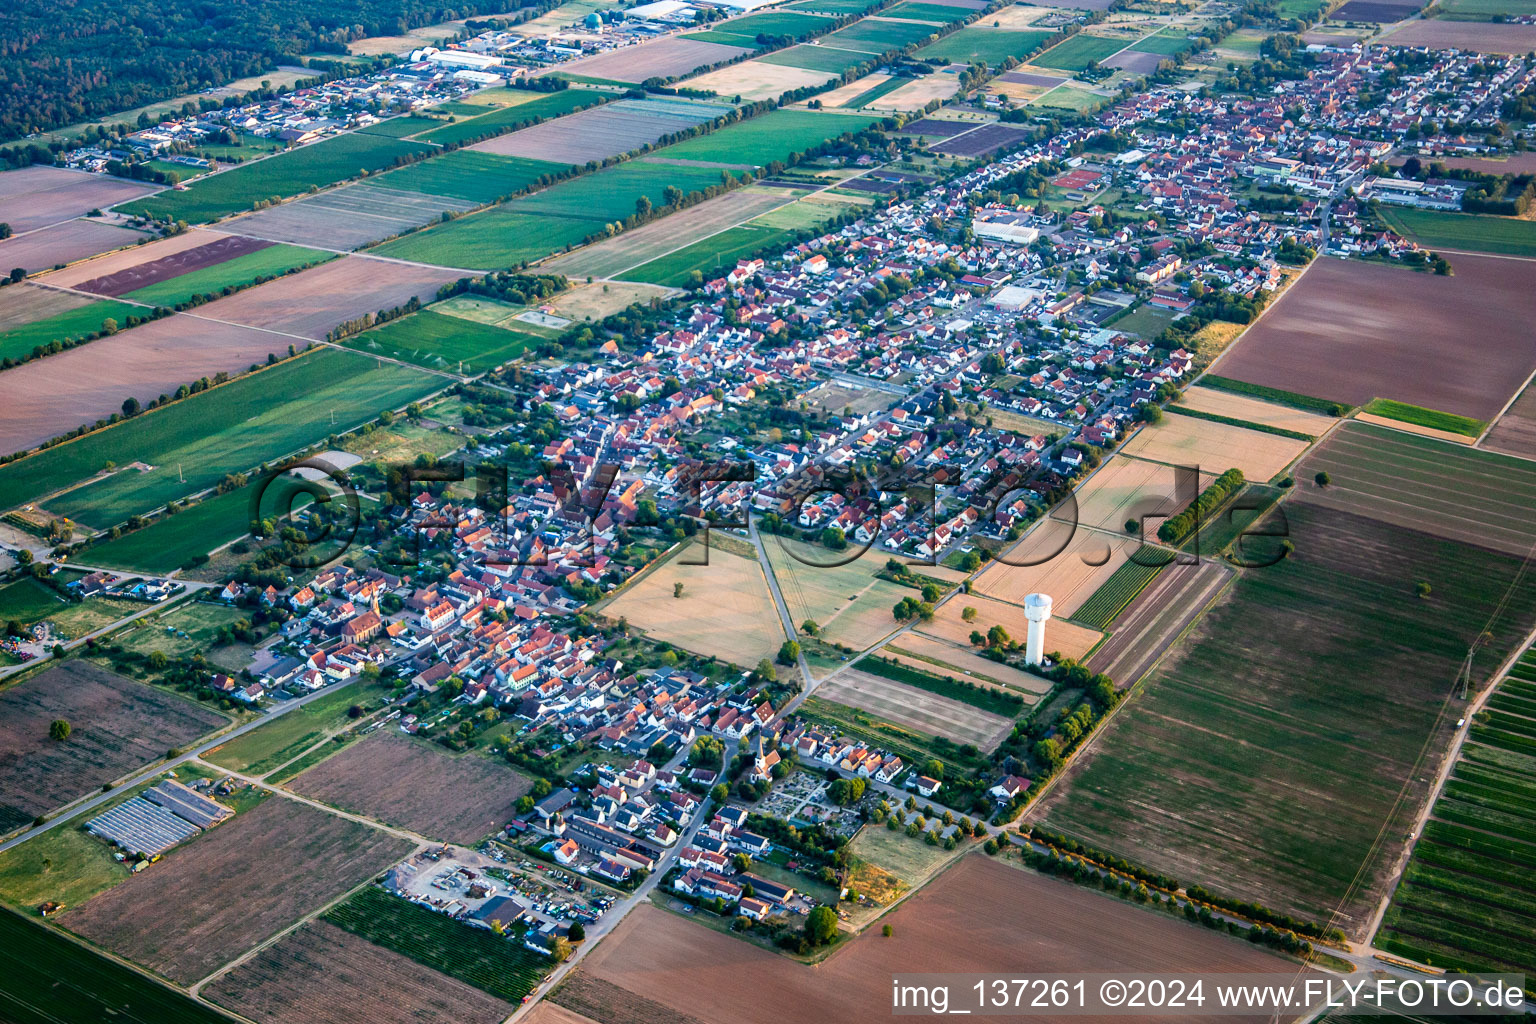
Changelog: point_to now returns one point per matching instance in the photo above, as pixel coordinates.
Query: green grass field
(798, 216)
(286, 174)
(1145, 321)
(1440, 229)
(19, 342)
(504, 967)
(499, 238)
(711, 256)
(611, 194)
(502, 119)
(1425, 417)
(880, 36)
(193, 443)
(772, 24)
(991, 45)
(273, 261)
(290, 734)
(868, 96)
(402, 127)
(816, 58)
(1483, 10)
(67, 864)
(1068, 97)
(1169, 44)
(767, 137)
(916, 10)
(1077, 52)
(445, 342)
(46, 978)
(1465, 902)
(839, 8)
(1296, 401)
(28, 601)
(470, 175)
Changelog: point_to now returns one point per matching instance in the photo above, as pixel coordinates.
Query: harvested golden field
(1123, 489)
(25, 303)
(725, 611)
(599, 299)
(1073, 563)
(953, 925)
(1226, 403)
(858, 87)
(917, 709)
(753, 80)
(919, 93)
(849, 602)
(1214, 447)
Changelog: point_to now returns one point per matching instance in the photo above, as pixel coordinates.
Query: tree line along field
(48, 978)
(18, 342)
(285, 174)
(444, 342)
(1267, 753)
(267, 262)
(192, 443)
(1465, 900)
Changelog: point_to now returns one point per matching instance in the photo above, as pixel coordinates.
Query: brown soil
(417, 786)
(64, 243)
(323, 975)
(1353, 331)
(156, 270)
(26, 303)
(664, 57)
(248, 879)
(1515, 432)
(118, 725)
(36, 196)
(1481, 36)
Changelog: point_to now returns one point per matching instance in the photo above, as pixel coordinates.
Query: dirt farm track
(658, 962)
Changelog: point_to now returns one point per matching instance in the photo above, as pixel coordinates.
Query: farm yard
(182, 919)
(952, 925)
(602, 132)
(1244, 731)
(916, 709)
(417, 786)
(322, 974)
(284, 174)
(38, 196)
(441, 342)
(1352, 331)
(1214, 447)
(1463, 902)
(351, 216)
(65, 243)
(190, 444)
(118, 725)
(725, 610)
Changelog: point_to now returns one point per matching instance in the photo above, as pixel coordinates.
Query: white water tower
(1037, 609)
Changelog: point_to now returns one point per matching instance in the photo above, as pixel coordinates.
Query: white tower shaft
(1037, 609)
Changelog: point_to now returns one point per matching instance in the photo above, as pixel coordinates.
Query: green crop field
(19, 342)
(472, 176)
(1077, 52)
(1440, 229)
(286, 174)
(402, 127)
(1465, 900)
(840, 8)
(880, 36)
(1068, 97)
(499, 238)
(711, 256)
(273, 261)
(46, 978)
(772, 25)
(1305, 402)
(500, 120)
(290, 734)
(502, 966)
(916, 10)
(1425, 417)
(445, 342)
(193, 443)
(1114, 594)
(1482, 10)
(1269, 750)
(992, 45)
(869, 96)
(1169, 44)
(611, 194)
(816, 58)
(767, 137)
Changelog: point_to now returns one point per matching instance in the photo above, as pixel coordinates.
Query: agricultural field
(602, 132)
(1217, 402)
(668, 57)
(1214, 447)
(352, 216)
(1119, 590)
(62, 244)
(473, 175)
(751, 80)
(118, 725)
(1057, 559)
(1122, 489)
(1440, 229)
(26, 303)
(322, 973)
(501, 237)
(917, 10)
(725, 611)
(38, 196)
(285, 737)
(990, 45)
(951, 926)
(413, 784)
(1069, 97)
(474, 956)
(21, 341)
(241, 271)
(1481, 10)
(311, 303)
(448, 343)
(285, 174)
(189, 445)
(916, 709)
(28, 601)
(956, 658)
(1463, 902)
(877, 35)
(1076, 53)
(907, 858)
(849, 602)
(709, 256)
(139, 266)
(1353, 331)
(171, 542)
(768, 137)
(33, 959)
(752, 29)
(611, 194)
(1244, 732)
(814, 57)
(1515, 431)
(1481, 37)
(179, 920)
(1432, 423)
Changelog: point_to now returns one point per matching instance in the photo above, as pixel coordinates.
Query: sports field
(1076, 53)
(445, 342)
(271, 261)
(471, 175)
(285, 174)
(189, 445)
(768, 137)
(1441, 229)
(991, 45)
(19, 342)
